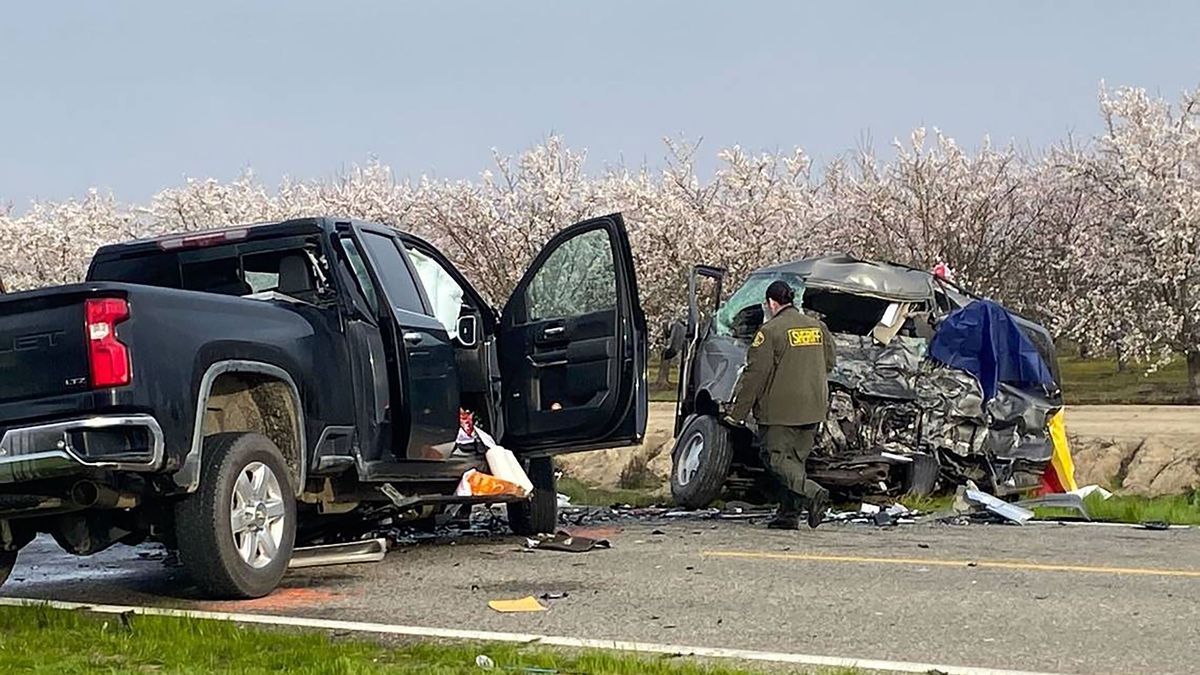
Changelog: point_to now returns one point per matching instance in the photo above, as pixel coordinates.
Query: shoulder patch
(759, 338)
(805, 337)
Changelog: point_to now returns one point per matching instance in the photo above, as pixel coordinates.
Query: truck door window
(358, 269)
(443, 291)
(393, 273)
(578, 278)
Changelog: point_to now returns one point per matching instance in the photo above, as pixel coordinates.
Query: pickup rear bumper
(114, 442)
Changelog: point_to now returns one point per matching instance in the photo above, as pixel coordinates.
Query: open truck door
(704, 299)
(572, 346)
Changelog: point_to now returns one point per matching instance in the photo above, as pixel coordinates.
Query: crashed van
(932, 387)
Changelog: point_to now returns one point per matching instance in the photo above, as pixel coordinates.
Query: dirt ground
(1146, 450)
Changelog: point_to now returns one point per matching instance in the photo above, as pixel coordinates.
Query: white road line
(527, 638)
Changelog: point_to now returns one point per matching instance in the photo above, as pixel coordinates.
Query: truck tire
(539, 513)
(921, 476)
(700, 462)
(238, 556)
(7, 560)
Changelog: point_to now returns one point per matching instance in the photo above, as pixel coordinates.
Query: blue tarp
(984, 340)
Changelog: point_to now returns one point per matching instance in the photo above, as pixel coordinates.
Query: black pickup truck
(234, 392)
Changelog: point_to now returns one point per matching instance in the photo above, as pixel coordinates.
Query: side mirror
(468, 331)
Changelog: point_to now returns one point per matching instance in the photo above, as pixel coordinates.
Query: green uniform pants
(784, 451)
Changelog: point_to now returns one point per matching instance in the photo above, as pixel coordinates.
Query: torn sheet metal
(861, 277)
(718, 363)
(1066, 500)
(1010, 512)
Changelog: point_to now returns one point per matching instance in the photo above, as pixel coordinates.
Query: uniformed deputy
(784, 384)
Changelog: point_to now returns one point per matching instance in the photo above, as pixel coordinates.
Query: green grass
(1096, 381)
(1176, 510)
(582, 494)
(930, 504)
(43, 640)
(1085, 382)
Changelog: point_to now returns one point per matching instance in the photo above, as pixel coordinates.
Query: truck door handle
(413, 338)
(554, 330)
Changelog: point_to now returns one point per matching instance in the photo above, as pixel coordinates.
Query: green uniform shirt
(785, 377)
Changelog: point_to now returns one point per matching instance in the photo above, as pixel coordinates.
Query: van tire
(207, 537)
(539, 513)
(700, 462)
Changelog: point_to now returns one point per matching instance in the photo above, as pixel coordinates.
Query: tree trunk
(664, 374)
(1193, 363)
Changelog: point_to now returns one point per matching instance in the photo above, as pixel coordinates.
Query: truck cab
(236, 393)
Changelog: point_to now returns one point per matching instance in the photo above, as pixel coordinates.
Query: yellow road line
(936, 562)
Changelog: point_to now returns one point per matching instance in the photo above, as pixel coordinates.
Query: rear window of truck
(150, 270)
(240, 270)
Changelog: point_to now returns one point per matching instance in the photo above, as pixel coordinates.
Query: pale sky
(135, 96)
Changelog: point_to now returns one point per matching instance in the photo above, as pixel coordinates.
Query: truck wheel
(236, 532)
(700, 462)
(7, 560)
(539, 513)
(921, 476)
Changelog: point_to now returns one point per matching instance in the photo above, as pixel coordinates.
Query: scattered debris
(152, 555)
(565, 541)
(554, 595)
(1069, 500)
(999, 507)
(1156, 525)
(484, 662)
(526, 604)
(1089, 490)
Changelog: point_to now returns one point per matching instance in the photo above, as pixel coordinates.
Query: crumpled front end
(894, 399)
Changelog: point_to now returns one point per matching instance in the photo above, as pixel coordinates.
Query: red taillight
(201, 240)
(109, 359)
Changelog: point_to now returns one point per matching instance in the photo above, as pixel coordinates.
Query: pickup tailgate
(43, 349)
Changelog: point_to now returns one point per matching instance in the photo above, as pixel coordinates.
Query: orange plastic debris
(479, 484)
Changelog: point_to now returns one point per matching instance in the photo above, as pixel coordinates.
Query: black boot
(784, 521)
(816, 508)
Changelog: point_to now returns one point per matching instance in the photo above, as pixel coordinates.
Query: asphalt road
(1078, 599)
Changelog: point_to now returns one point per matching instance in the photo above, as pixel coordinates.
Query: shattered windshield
(742, 315)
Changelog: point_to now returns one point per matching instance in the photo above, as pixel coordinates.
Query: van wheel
(236, 532)
(539, 513)
(8, 559)
(700, 462)
(921, 476)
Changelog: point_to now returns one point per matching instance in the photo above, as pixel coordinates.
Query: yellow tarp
(1060, 460)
